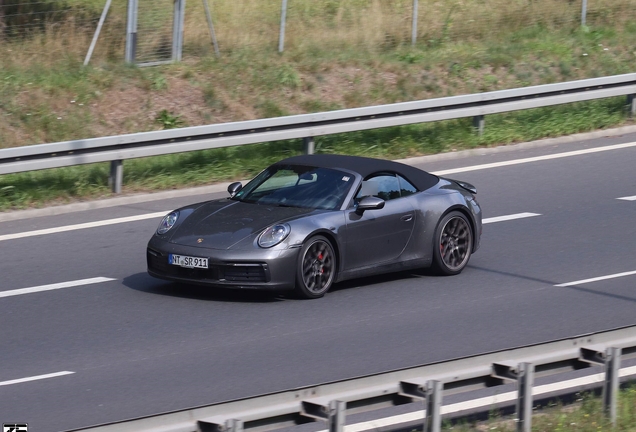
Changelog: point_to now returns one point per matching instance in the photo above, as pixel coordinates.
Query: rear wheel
(453, 244)
(316, 268)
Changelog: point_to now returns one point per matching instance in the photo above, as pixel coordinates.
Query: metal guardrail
(428, 383)
(115, 149)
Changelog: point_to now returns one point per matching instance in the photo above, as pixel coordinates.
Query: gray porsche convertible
(309, 221)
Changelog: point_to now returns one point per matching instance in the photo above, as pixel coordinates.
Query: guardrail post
(337, 413)
(433, 419)
(218, 425)
(523, 373)
(478, 124)
(131, 32)
(333, 412)
(233, 425)
(525, 381)
(610, 386)
(631, 104)
(309, 145)
(116, 177)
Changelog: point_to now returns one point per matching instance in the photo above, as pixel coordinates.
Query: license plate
(187, 261)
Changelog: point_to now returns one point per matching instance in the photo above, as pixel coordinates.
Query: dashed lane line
(35, 378)
(55, 286)
(509, 217)
(629, 198)
(82, 226)
(534, 159)
(596, 279)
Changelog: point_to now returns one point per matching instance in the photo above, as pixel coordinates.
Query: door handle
(407, 218)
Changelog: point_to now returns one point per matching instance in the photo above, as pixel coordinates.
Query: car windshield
(298, 186)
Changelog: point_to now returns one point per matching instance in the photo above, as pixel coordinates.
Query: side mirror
(369, 203)
(234, 188)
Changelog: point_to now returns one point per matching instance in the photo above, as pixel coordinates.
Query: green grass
(584, 415)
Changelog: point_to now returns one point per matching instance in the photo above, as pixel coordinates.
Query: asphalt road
(128, 345)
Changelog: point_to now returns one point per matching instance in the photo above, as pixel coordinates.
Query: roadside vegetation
(338, 54)
(583, 415)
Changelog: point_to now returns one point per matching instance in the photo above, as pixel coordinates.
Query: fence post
(610, 386)
(131, 32)
(583, 13)
(414, 26)
(116, 177)
(89, 54)
(631, 104)
(525, 381)
(283, 18)
(177, 30)
(433, 420)
(208, 16)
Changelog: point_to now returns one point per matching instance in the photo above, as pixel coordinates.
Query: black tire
(316, 269)
(453, 244)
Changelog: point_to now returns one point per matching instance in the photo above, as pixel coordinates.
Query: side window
(385, 186)
(406, 188)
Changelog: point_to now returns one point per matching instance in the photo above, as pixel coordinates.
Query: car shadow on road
(147, 284)
(383, 278)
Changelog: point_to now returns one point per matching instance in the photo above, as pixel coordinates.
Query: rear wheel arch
(463, 210)
(451, 243)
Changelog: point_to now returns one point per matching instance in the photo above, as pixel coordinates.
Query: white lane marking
(596, 279)
(630, 198)
(509, 217)
(82, 226)
(535, 159)
(485, 402)
(35, 378)
(55, 286)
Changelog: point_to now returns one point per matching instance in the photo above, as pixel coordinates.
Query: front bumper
(267, 269)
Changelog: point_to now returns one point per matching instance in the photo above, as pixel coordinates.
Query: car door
(378, 236)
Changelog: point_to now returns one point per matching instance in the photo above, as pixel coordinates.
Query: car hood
(221, 224)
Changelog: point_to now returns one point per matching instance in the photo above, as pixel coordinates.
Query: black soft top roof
(365, 167)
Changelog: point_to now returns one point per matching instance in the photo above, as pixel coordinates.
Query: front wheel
(453, 244)
(316, 268)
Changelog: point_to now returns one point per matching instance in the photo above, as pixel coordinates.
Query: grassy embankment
(339, 54)
(584, 415)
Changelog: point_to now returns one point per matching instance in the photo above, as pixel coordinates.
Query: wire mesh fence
(154, 30)
(36, 30)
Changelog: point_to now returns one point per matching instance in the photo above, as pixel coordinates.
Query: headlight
(273, 235)
(167, 222)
